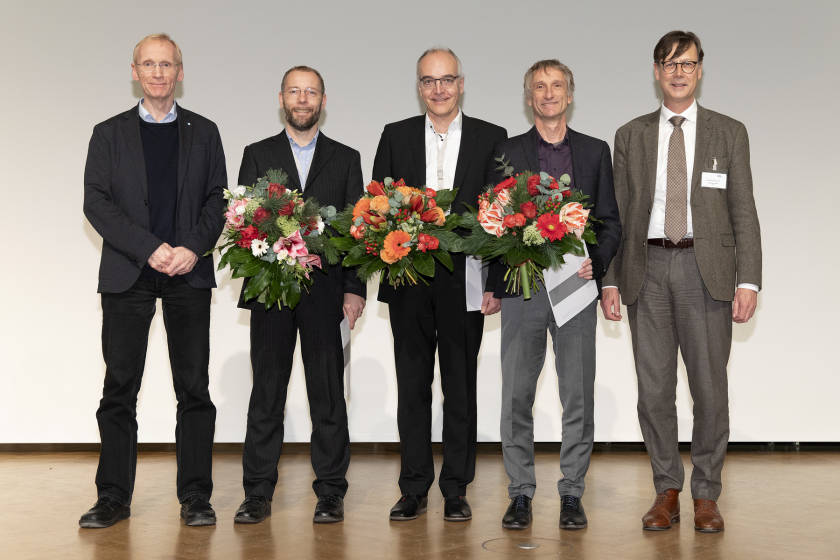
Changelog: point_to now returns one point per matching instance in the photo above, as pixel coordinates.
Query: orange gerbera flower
(362, 206)
(380, 204)
(393, 249)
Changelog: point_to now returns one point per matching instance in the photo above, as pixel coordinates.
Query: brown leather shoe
(707, 517)
(665, 510)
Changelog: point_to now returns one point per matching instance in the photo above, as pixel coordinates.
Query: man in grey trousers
(552, 147)
(684, 187)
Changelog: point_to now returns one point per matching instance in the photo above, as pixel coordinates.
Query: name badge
(713, 180)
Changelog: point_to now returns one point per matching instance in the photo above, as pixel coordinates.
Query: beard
(294, 120)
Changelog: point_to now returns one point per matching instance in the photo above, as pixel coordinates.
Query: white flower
(320, 225)
(238, 191)
(282, 254)
(291, 260)
(259, 247)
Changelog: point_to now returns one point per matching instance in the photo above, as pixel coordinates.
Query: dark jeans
(126, 318)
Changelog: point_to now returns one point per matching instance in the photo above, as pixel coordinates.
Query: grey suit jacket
(723, 220)
(116, 196)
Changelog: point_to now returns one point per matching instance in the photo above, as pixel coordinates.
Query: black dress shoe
(104, 513)
(253, 510)
(571, 513)
(409, 507)
(329, 509)
(518, 514)
(456, 508)
(197, 511)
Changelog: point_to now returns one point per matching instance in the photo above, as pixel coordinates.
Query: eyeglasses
(310, 92)
(687, 67)
(149, 66)
(427, 82)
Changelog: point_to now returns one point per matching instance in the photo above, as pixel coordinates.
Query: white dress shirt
(450, 142)
(656, 228)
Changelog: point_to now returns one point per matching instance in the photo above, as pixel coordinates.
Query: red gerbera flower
(551, 227)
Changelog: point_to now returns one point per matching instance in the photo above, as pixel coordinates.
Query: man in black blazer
(552, 147)
(444, 149)
(331, 173)
(153, 190)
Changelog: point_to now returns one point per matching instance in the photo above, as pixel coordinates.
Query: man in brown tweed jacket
(684, 190)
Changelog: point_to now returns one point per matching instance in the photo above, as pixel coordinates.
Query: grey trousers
(675, 311)
(524, 326)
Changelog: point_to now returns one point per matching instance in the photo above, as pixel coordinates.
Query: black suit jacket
(116, 197)
(402, 155)
(334, 179)
(593, 174)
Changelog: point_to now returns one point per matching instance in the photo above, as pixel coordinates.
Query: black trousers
(273, 340)
(126, 318)
(425, 319)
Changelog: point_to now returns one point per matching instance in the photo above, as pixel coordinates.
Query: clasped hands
(172, 261)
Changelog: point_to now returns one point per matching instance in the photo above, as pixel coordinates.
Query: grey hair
(157, 37)
(440, 48)
(544, 65)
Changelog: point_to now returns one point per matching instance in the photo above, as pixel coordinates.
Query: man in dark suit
(332, 174)
(684, 187)
(153, 190)
(552, 147)
(444, 149)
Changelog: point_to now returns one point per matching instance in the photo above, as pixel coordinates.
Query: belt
(668, 244)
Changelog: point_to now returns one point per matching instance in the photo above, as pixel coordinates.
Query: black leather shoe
(456, 508)
(197, 511)
(409, 507)
(572, 515)
(329, 509)
(104, 513)
(253, 510)
(518, 514)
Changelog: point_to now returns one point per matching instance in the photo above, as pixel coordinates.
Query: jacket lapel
(131, 131)
(651, 154)
(701, 145)
(418, 151)
(577, 154)
(287, 159)
(323, 151)
(532, 152)
(465, 152)
(185, 139)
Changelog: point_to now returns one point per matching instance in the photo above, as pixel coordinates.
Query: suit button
(648, 210)
(146, 202)
(644, 243)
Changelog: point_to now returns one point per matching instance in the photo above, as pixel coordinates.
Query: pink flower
(235, 215)
(574, 215)
(294, 244)
(492, 219)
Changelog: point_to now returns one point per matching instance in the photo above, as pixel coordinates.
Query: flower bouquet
(530, 221)
(399, 230)
(274, 238)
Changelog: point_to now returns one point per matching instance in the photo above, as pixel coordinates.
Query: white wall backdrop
(65, 67)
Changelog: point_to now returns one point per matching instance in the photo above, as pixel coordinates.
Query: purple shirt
(555, 160)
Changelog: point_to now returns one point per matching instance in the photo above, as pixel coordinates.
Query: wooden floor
(776, 505)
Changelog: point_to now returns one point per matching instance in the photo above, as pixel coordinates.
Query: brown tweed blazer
(723, 220)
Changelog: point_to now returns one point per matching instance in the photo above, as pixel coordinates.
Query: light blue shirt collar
(147, 116)
(303, 156)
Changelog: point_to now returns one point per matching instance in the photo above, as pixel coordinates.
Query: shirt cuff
(616, 287)
(752, 287)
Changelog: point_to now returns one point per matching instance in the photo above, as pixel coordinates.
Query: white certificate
(569, 294)
(476, 279)
(345, 343)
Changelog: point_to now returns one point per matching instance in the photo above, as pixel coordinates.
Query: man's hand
(586, 270)
(744, 305)
(490, 304)
(611, 304)
(161, 258)
(353, 307)
(183, 261)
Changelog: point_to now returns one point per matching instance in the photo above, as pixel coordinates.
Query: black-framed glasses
(687, 67)
(149, 66)
(309, 92)
(427, 82)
